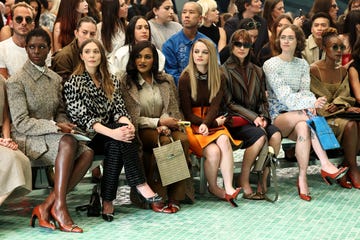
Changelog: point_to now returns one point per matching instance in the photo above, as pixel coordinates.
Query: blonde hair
(206, 5)
(214, 80)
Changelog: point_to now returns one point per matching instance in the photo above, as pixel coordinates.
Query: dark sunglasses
(334, 5)
(240, 44)
(337, 47)
(253, 25)
(20, 19)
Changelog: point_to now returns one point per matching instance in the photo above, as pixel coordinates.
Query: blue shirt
(177, 51)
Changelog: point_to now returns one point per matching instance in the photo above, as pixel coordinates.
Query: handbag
(323, 132)
(94, 207)
(238, 121)
(171, 162)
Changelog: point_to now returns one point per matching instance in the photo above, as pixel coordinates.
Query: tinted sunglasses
(334, 5)
(253, 25)
(240, 44)
(20, 19)
(337, 47)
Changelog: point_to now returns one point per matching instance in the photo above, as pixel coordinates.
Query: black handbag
(94, 207)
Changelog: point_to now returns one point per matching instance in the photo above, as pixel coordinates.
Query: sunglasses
(334, 5)
(337, 47)
(253, 25)
(240, 44)
(20, 19)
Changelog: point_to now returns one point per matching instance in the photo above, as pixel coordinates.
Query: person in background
(331, 80)
(69, 13)
(177, 48)
(290, 102)
(269, 50)
(47, 18)
(94, 103)
(65, 61)
(326, 6)
(272, 10)
(161, 22)
(13, 54)
(137, 30)
(111, 31)
(201, 90)
(245, 96)
(94, 11)
(15, 177)
(42, 130)
(313, 49)
(210, 17)
(248, 9)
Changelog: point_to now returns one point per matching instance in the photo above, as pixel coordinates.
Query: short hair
(327, 34)
(300, 39)
(240, 33)
(321, 15)
(197, 5)
(22, 4)
(240, 4)
(86, 19)
(38, 32)
(206, 5)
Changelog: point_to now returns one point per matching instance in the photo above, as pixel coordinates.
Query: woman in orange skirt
(201, 91)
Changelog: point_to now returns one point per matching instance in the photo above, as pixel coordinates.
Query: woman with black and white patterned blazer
(94, 103)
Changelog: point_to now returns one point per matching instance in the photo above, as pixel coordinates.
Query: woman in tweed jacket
(40, 127)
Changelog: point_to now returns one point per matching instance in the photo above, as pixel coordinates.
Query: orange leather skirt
(198, 142)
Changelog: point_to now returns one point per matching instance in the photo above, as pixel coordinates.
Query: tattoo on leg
(301, 139)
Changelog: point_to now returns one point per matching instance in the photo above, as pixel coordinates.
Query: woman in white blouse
(290, 99)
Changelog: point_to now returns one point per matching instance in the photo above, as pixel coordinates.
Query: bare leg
(226, 163)
(67, 174)
(249, 158)
(351, 145)
(211, 166)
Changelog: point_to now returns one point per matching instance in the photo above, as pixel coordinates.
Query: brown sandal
(253, 196)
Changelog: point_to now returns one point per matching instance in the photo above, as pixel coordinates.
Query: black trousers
(117, 154)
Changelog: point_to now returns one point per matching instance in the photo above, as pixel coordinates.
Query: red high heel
(303, 196)
(353, 182)
(42, 222)
(66, 228)
(161, 207)
(339, 174)
(230, 198)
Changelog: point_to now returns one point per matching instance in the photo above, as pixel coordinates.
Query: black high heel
(109, 217)
(154, 199)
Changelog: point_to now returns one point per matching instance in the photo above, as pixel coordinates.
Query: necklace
(201, 76)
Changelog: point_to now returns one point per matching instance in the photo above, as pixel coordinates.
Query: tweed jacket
(35, 101)
(168, 94)
(247, 101)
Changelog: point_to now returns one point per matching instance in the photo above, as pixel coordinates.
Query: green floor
(334, 213)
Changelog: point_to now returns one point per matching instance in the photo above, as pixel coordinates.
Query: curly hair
(300, 39)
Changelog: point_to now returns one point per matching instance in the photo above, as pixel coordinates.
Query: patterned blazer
(35, 101)
(168, 94)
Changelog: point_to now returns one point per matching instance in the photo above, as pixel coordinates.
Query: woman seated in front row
(151, 99)
(94, 103)
(291, 102)
(41, 127)
(331, 80)
(245, 97)
(201, 89)
(15, 170)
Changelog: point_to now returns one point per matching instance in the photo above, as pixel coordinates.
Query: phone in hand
(301, 13)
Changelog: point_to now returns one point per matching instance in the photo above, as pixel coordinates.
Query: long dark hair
(130, 30)
(131, 68)
(110, 22)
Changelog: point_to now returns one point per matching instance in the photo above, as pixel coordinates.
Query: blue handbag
(324, 133)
